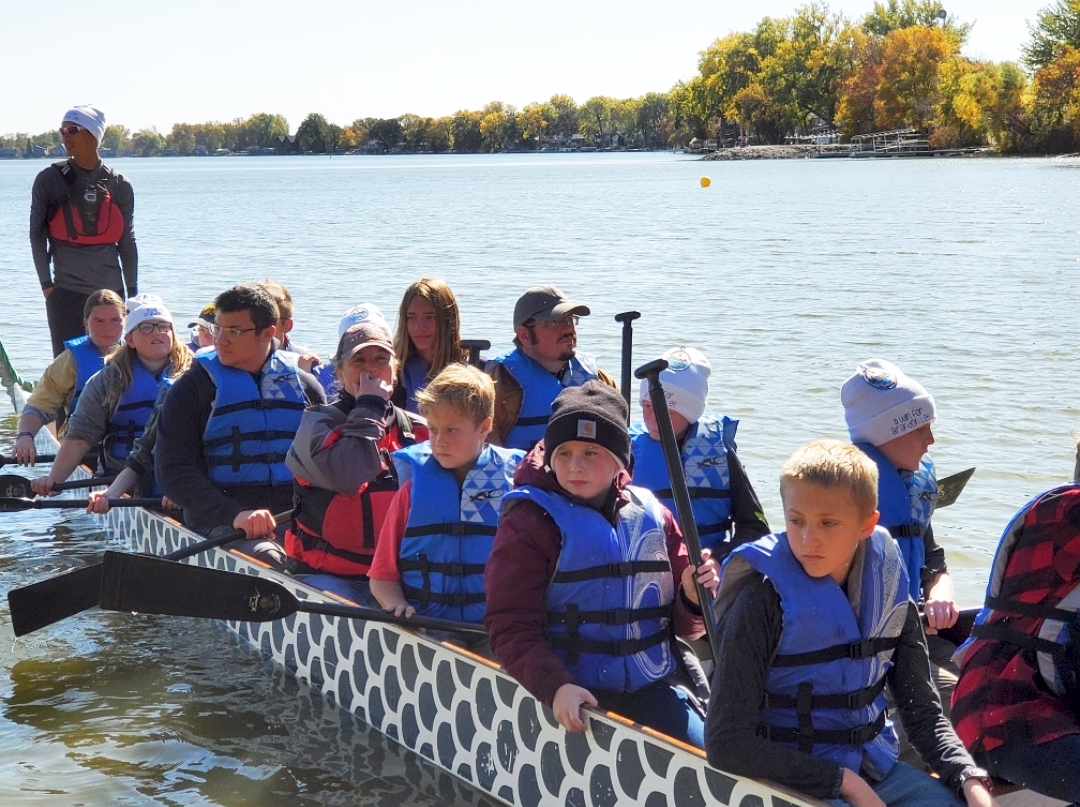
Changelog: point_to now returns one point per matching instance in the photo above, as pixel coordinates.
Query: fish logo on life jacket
(876, 377)
(679, 360)
(485, 495)
(712, 462)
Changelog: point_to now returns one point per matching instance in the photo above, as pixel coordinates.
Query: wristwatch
(978, 774)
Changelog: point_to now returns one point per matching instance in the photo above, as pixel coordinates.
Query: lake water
(786, 274)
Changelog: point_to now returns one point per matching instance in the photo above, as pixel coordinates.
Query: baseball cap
(545, 303)
(206, 317)
(362, 335)
(365, 312)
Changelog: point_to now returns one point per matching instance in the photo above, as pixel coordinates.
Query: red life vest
(335, 532)
(1017, 671)
(89, 218)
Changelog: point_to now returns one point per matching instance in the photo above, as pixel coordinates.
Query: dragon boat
(457, 710)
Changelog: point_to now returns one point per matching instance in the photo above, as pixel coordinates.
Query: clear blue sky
(154, 64)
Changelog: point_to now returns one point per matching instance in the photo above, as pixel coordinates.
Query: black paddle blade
(149, 585)
(40, 604)
(13, 486)
(949, 488)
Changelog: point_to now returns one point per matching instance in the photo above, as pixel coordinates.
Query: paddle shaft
(685, 510)
(38, 458)
(627, 319)
(48, 601)
(149, 585)
(9, 505)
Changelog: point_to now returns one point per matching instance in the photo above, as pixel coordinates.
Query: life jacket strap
(1034, 610)
(623, 569)
(855, 738)
(539, 420)
(907, 531)
(456, 528)
(843, 700)
(695, 493)
(627, 647)
(313, 543)
(867, 648)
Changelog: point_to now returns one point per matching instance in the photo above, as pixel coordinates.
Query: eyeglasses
(552, 324)
(217, 331)
(150, 327)
(72, 129)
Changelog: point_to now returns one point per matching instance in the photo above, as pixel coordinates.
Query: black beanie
(594, 413)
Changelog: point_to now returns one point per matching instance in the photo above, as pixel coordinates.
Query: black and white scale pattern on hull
(462, 713)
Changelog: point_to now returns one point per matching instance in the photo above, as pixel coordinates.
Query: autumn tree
(896, 14)
(465, 131)
(908, 91)
(147, 142)
(564, 115)
(1055, 102)
(117, 138)
(652, 110)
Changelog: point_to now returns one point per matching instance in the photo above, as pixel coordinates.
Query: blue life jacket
(539, 388)
(705, 468)
(251, 427)
(610, 600)
(88, 360)
(906, 502)
(128, 420)
(451, 529)
(824, 688)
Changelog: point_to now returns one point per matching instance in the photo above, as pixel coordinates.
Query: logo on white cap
(679, 360)
(876, 377)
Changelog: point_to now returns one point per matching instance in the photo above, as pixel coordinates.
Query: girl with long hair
(428, 338)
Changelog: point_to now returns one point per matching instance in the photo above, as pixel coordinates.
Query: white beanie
(881, 403)
(143, 299)
(685, 381)
(151, 312)
(88, 117)
(365, 312)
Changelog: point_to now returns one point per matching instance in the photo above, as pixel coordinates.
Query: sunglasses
(72, 129)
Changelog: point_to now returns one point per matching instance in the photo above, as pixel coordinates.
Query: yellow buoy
(705, 182)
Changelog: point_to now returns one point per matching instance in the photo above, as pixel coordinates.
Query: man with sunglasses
(544, 362)
(81, 233)
(227, 424)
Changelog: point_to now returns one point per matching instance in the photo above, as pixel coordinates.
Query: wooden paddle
(150, 585)
(55, 598)
(652, 371)
(13, 486)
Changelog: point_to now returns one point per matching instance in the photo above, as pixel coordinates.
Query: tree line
(899, 66)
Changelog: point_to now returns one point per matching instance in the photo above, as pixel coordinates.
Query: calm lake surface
(786, 274)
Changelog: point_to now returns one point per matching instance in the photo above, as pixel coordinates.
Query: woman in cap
(428, 338)
(117, 402)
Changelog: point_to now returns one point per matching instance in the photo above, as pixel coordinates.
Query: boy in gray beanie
(889, 417)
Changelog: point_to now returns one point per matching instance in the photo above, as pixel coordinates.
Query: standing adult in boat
(543, 362)
(225, 427)
(81, 232)
(428, 338)
(340, 459)
(116, 402)
(63, 380)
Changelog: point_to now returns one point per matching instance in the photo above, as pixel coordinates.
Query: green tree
(465, 132)
(1055, 27)
(314, 133)
(261, 130)
(387, 132)
(181, 138)
(532, 121)
(147, 143)
(651, 113)
(565, 115)
(117, 138)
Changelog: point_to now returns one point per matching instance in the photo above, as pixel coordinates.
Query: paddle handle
(220, 540)
(474, 346)
(92, 482)
(37, 459)
(627, 319)
(373, 615)
(684, 509)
